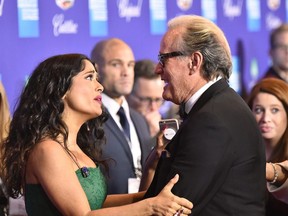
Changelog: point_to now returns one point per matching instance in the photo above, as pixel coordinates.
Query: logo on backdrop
(232, 9)
(65, 4)
(272, 19)
(61, 26)
(127, 10)
(184, 4)
(1, 7)
(273, 4)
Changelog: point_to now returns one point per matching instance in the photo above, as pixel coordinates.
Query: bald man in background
(115, 63)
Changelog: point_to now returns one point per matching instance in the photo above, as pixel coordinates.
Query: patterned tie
(124, 122)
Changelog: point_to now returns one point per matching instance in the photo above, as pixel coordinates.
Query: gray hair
(197, 33)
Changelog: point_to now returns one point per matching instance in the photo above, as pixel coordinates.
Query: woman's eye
(275, 110)
(258, 110)
(89, 77)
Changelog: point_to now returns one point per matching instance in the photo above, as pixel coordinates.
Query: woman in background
(4, 113)
(269, 103)
(53, 151)
(4, 125)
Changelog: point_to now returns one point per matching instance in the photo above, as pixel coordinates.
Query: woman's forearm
(276, 174)
(123, 199)
(143, 208)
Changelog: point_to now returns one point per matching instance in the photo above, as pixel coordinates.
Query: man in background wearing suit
(218, 150)
(146, 95)
(127, 132)
(279, 53)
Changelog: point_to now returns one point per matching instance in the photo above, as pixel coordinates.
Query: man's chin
(167, 97)
(125, 91)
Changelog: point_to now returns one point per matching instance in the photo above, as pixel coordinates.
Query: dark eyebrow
(92, 71)
(119, 60)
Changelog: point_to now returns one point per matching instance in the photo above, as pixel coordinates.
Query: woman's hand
(166, 203)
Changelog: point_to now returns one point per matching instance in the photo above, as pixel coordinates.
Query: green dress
(37, 202)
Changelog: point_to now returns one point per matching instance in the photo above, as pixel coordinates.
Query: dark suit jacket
(219, 155)
(118, 149)
(271, 72)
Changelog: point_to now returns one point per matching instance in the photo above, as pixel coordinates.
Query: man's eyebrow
(118, 60)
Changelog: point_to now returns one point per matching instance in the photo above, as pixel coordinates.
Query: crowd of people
(84, 138)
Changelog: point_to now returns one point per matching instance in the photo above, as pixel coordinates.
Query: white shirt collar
(113, 106)
(190, 103)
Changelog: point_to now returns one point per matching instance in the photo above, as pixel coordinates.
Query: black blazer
(117, 148)
(219, 155)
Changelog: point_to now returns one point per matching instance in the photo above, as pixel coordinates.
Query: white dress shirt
(134, 145)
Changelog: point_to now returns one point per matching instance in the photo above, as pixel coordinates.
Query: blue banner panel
(98, 18)
(28, 18)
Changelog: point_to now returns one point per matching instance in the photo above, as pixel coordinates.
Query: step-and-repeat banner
(32, 30)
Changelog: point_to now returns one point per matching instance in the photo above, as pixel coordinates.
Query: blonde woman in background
(15, 207)
(4, 124)
(4, 113)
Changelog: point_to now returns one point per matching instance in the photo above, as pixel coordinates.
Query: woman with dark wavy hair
(52, 154)
(269, 103)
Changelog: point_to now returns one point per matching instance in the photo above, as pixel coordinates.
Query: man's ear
(191, 65)
(196, 59)
(195, 62)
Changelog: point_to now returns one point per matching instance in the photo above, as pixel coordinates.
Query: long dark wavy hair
(38, 116)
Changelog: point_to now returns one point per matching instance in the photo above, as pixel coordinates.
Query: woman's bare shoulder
(47, 155)
(47, 148)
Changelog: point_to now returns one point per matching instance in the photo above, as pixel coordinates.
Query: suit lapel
(206, 96)
(140, 128)
(111, 124)
(139, 134)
